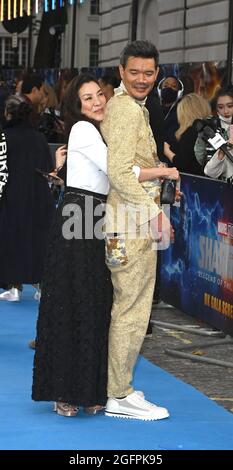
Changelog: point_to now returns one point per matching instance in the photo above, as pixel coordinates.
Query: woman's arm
(216, 165)
(168, 152)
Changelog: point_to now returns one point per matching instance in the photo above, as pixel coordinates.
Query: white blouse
(87, 159)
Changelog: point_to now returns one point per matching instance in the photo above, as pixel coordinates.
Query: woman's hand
(220, 155)
(168, 152)
(60, 155)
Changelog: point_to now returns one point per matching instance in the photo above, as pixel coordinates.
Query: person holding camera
(190, 108)
(27, 206)
(220, 166)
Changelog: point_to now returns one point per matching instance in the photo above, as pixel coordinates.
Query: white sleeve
(87, 140)
(215, 167)
(136, 170)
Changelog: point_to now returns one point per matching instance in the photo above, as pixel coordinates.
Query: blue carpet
(195, 423)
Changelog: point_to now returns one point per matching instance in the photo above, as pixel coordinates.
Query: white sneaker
(12, 295)
(135, 407)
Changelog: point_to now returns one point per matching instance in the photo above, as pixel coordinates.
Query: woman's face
(225, 106)
(93, 101)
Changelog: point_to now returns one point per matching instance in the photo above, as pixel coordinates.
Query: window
(94, 52)
(23, 52)
(10, 54)
(95, 7)
(10, 57)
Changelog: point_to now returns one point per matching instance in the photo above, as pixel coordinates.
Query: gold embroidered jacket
(130, 142)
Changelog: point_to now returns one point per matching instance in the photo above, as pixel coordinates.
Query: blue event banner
(197, 269)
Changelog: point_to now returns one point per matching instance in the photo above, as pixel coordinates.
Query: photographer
(50, 123)
(220, 166)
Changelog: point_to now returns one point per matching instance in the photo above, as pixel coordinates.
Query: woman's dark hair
(225, 91)
(17, 110)
(72, 103)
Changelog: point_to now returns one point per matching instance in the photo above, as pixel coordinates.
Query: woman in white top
(220, 166)
(70, 364)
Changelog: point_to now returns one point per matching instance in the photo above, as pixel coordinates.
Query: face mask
(225, 119)
(168, 95)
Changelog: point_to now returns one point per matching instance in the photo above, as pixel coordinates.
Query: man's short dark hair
(144, 49)
(31, 81)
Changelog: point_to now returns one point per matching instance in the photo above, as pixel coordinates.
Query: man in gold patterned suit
(131, 255)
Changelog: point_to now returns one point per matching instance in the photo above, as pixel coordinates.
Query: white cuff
(136, 170)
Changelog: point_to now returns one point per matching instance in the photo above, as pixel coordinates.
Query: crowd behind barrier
(197, 270)
(200, 77)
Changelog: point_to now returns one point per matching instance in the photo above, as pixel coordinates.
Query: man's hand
(162, 231)
(171, 173)
(178, 195)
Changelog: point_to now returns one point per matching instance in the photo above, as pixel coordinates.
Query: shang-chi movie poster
(197, 269)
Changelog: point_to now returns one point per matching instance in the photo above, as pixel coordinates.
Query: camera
(208, 131)
(213, 123)
(50, 126)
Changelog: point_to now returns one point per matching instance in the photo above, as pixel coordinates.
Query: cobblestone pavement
(213, 380)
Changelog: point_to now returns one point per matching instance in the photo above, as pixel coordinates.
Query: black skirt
(70, 363)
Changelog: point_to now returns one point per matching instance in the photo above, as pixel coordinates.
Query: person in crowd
(157, 126)
(190, 108)
(50, 123)
(49, 99)
(4, 94)
(108, 83)
(3, 162)
(18, 80)
(188, 84)
(32, 90)
(170, 90)
(26, 206)
(216, 164)
(129, 255)
(156, 121)
(65, 77)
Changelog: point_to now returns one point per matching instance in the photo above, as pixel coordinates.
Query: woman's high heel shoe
(93, 410)
(64, 409)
